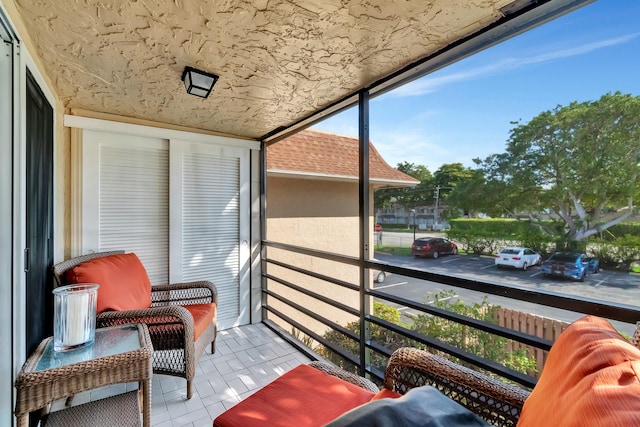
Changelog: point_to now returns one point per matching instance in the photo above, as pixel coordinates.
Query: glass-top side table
(119, 354)
(108, 342)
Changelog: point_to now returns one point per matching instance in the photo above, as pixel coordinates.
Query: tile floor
(246, 358)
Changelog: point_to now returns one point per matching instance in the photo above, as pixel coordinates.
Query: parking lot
(606, 285)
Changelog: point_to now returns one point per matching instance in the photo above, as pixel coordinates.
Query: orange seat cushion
(385, 393)
(591, 378)
(203, 315)
(124, 283)
(303, 397)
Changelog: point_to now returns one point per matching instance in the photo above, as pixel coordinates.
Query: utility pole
(436, 195)
(413, 211)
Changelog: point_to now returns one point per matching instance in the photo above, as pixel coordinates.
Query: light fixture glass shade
(198, 82)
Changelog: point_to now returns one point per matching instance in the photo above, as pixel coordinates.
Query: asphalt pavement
(606, 285)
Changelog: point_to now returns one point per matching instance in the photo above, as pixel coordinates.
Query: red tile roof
(317, 154)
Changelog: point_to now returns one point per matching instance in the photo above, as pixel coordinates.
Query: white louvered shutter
(207, 211)
(182, 207)
(133, 199)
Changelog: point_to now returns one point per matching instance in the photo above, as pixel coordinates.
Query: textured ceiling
(278, 60)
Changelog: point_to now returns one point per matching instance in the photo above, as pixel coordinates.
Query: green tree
(408, 197)
(478, 195)
(579, 162)
(447, 179)
(451, 175)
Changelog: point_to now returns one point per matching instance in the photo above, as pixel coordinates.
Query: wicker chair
(170, 325)
(496, 402)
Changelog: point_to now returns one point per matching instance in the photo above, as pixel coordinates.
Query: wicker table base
(120, 354)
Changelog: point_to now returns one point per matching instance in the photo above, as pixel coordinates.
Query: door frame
(13, 303)
(8, 59)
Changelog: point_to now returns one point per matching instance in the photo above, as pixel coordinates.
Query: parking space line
(448, 260)
(601, 281)
(392, 285)
(537, 273)
(487, 266)
(413, 315)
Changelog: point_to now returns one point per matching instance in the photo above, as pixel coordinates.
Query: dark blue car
(572, 265)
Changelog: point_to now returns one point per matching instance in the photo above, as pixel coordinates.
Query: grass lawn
(394, 250)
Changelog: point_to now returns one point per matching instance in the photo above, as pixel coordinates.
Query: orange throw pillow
(124, 283)
(591, 378)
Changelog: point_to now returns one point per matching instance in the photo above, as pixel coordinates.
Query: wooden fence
(531, 324)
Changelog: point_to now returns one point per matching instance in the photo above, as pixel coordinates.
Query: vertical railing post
(365, 227)
(263, 226)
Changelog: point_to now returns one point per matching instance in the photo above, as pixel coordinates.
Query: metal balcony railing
(369, 347)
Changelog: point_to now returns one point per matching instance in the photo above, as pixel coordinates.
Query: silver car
(517, 257)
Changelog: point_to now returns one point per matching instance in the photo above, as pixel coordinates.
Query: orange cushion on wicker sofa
(303, 397)
(385, 393)
(203, 315)
(591, 378)
(124, 283)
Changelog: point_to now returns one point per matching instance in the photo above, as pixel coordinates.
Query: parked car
(517, 257)
(379, 276)
(433, 247)
(574, 265)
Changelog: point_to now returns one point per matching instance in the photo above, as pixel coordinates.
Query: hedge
(487, 236)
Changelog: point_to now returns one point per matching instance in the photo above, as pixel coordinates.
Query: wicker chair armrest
(345, 375)
(159, 316)
(184, 293)
(495, 401)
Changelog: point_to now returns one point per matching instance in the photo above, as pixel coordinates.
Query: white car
(517, 258)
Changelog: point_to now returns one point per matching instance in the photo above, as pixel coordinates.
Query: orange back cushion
(124, 283)
(591, 378)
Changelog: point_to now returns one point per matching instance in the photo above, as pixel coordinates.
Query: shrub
(481, 343)
(619, 253)
(487, 236)
(620, 230)
(378, 334)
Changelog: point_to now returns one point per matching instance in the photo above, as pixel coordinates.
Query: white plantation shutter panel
(182, 206)
(134, 204)
(208, 227)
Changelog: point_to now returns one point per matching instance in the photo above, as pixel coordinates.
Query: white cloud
(413, 146)
(431, 84)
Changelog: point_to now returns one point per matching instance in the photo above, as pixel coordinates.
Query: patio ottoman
(119, 410)
(303, 397)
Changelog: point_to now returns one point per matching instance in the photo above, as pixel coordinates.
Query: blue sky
(464, 111)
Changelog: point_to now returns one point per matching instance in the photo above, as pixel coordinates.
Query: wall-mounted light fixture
(198, 82)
